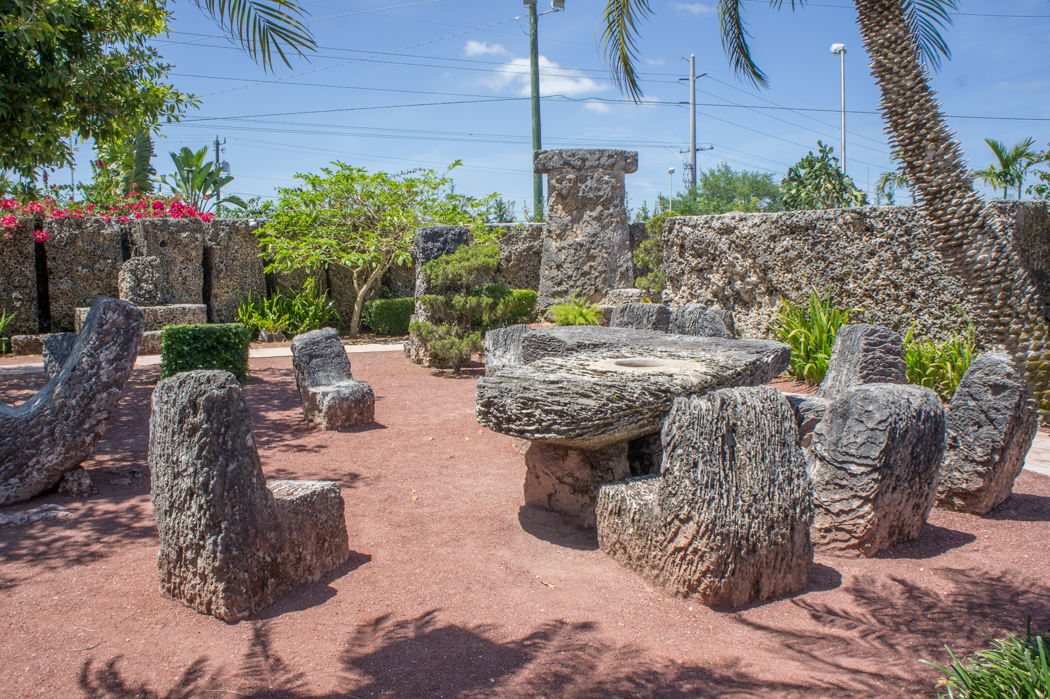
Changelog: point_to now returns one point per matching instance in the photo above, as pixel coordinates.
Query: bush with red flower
(13, 212)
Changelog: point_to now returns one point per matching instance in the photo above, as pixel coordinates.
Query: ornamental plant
(463, 305)
(14, 212)
(817, 182)
(364, 222)
(810, 331)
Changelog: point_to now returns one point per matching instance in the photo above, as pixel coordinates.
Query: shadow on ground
(890, 626)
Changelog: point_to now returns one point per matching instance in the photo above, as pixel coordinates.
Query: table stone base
(566, 480)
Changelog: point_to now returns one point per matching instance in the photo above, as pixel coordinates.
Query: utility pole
(534, 65)
(537, 143)
(218, 171)
(693, 77)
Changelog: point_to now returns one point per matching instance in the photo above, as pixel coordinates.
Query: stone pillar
(586, 240)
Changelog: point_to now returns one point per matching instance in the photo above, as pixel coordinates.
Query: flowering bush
(132, 207)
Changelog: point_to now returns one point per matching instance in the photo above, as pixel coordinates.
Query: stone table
(581, 394)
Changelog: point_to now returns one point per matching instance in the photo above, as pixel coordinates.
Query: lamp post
(840, 51)
(670, 187)
(534, 66)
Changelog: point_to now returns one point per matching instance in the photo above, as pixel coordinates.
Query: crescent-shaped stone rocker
(53, 432)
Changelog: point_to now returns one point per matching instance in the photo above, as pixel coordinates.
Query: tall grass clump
(809, 330)
(288, 312)
(1015, 667)
(940, 365)
(575, 310)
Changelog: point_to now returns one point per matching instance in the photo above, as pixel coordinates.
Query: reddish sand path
(453, 591)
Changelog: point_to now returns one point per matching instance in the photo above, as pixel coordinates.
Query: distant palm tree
(888, 183)
(263, 27)
(1013, 164)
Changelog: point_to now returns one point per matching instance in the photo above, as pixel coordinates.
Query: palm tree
(1013, 164)
(903, 40)
(888, 183)
(263, 27)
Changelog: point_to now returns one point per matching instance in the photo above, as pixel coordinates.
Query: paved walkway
(1038, 459)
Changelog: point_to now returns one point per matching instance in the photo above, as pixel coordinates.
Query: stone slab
(84, 257)
(160, 317)
(179, 245)
(18, 280)
(234, 266)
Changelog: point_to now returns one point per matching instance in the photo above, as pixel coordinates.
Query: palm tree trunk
(970, 238)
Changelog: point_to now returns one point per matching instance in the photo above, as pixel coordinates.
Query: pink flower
(40, 236)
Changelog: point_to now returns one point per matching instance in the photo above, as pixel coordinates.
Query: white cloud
(694, 8)
(554, 80)
(655, 61)
(484, 48)
(596, 106)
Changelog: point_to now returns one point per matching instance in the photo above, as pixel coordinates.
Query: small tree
(816, 182)
(364, 222)
(1012, 166)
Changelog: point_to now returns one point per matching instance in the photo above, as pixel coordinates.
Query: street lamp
(670, 187)
(840, 51)
(534, 66)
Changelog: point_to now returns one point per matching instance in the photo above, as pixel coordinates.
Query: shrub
(389, 316)
(190, 347)
(291, 312)
(5, 342)
(463, 305)
(650, 257)
(940, 365)
(1015, 666)
(810, 332)
(575, 311)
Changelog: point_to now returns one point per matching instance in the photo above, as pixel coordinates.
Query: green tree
(728, 190)
(84, 69)
(816, 182)
(196, 181)
(364, 222)
(888, 184)
(1012, 164)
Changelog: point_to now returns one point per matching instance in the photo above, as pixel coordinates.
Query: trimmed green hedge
(388, 316)
(190, 347)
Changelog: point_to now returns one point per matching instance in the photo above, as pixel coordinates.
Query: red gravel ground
(453, 590)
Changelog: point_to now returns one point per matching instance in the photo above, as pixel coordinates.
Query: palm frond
(735, 36)
(619, 40)
(926, 19)
(263, 27)
(140, 173)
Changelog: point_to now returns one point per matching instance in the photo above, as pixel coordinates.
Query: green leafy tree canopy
(362, 221)
(80, 68)
(816, 182)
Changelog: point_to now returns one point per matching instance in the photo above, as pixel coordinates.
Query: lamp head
(557, 5)
(670, 171)
(838, 49)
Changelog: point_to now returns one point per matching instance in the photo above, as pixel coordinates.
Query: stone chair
(728, 520)
(990, 427)
(52, 433)
(331, 396)
(231, 544)
(873, 463)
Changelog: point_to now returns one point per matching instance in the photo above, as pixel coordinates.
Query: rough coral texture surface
(592, 386)
(728, 520)
(988, 431)
(83, 264)
(520, 253)
(864, 354)
(229, 545)
(618, 297)
(882, 260)
(586, 241)
(233, 266)
(76, 483)
(641, 316)
(503, 347)
(331, 396)
(139, 281)
(179, 245)
(566, 480)
(159, 317)
(55, 430)
(694, 319)
(57, 348)
(874, 462)
(18, 279)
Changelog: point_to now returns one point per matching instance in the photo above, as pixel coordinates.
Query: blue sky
(348, 102)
